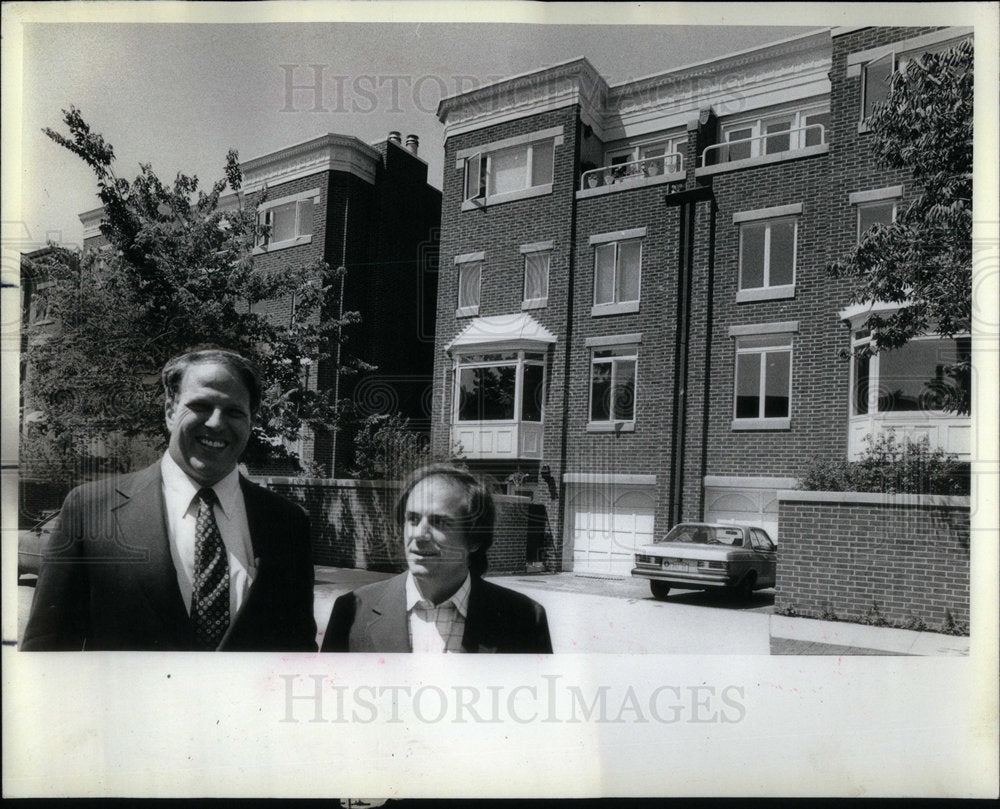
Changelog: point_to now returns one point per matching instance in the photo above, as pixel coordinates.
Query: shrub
(890, 466)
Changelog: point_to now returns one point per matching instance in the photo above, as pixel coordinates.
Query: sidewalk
(808, 636)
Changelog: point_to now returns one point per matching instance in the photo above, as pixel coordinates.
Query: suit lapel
(141, 524)
(482, 621)
(387, 621)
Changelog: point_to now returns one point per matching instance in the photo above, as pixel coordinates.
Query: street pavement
(589, 614)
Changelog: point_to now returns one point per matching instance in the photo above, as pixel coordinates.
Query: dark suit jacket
(108, 581)
(373, 619)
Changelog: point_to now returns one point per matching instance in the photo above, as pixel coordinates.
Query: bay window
(500, 386)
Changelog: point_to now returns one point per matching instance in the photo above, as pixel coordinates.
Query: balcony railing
(772, 145)
(633, 170)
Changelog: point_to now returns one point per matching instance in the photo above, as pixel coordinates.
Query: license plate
(674, 564)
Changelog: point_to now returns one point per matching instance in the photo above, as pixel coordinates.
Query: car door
(766, 554)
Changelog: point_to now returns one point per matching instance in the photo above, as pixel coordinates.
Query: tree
(923, 261)
(178, 271)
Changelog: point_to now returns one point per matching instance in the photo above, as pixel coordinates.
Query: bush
(888, 466)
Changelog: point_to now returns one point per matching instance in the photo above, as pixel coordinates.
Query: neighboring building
(635, 326)
(369, 208)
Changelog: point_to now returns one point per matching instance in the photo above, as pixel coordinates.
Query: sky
(180, 95)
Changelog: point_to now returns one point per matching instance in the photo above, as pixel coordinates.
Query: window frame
(633, 152)
(481, 162)
(265, 215)
(465, 263)
(875, 381)
(777, 342)
(616, 306)
(893, 201)
(520, 362)
(767, 291)
(630, 354)
(757, 125)
(533, 252)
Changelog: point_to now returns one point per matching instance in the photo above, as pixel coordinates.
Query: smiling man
(442, 603)
(186, 554)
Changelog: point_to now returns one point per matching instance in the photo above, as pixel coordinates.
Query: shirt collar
(460, 598)
(177, 480)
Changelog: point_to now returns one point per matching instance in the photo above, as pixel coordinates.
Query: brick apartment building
(369, 208)
(634, 323)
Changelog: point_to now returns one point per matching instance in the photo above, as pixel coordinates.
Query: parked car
(708, 556)
(31, 543)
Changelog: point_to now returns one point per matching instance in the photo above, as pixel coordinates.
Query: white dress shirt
(179, 497)
(436, 628)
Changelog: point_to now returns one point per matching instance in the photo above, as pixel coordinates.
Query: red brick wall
(353, 524)
(904, 560)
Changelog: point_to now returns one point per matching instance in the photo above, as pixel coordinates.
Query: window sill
(534, 303)
(762, 424)
(863, 127)
(275, 246)
(510, 196)
(610, 426)
(762, 160)
(602, 309)
(766, 293)
(467, 311)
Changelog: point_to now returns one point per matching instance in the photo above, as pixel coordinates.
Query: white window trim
(519, 362)
(533, 250)
(616, 238)
(613, 425)
(757, 125)
(553, 135)
(460, 261)
(271, 247)
(768, 291)
(875, 195)
(778, 331)
(872, 204)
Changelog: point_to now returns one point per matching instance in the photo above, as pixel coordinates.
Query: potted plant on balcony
(591, 180)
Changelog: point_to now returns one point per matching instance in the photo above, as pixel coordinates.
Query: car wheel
(744, 590)
(659, 589)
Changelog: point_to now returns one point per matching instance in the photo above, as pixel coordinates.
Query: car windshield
(705, 535)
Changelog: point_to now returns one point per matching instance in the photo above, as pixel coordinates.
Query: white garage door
(604, 526)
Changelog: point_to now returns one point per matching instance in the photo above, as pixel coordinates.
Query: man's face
(209, 422)
(434, 536)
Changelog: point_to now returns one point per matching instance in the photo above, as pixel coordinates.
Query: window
(651, 158)
(500, 386)
(875, 83)
(612, 385)
(510, 172)
(286, 222)
(763, 388)
(914, 377)
(470, 273)
(617, 271)
(875, 213)
(536, 278)
(772, 134)
(767, 254)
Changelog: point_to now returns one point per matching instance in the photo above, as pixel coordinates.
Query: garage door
(604, 526)
(752, 506)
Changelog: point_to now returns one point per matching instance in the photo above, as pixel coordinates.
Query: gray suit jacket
(108, 581)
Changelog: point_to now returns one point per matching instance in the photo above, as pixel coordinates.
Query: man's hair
(479, 518)
(240, 366)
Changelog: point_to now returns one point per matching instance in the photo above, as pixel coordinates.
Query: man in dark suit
(442, 603)
(186, 554)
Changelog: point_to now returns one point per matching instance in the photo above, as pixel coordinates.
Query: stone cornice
(330, 152)
(563, 85)
(91, 221)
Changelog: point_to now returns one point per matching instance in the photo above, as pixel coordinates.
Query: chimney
(395, 137)
(412, 143)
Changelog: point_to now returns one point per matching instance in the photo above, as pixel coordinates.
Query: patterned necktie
(210, 598)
